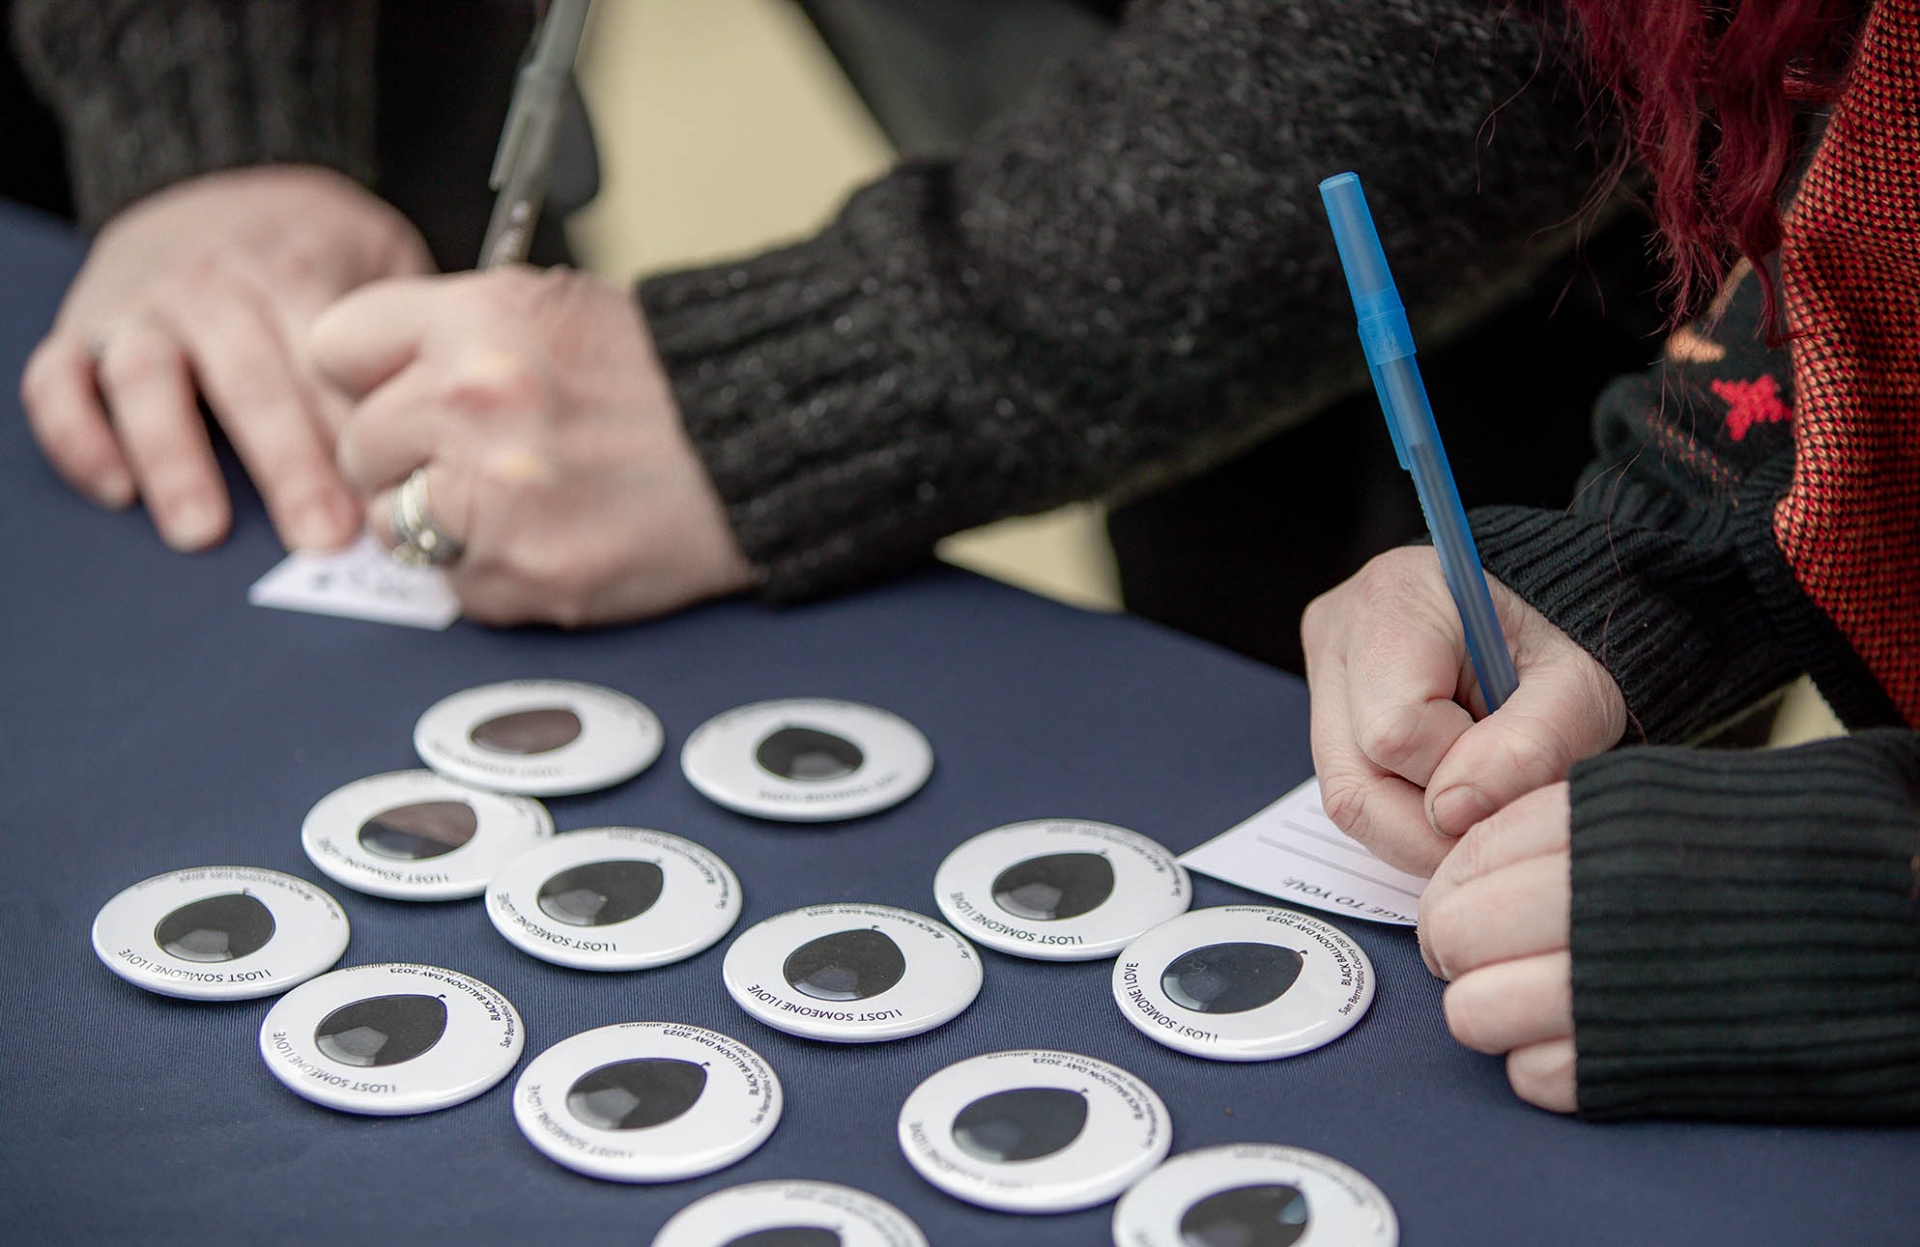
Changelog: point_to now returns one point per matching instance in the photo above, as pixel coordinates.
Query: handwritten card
(360, 582)
(1291, 850)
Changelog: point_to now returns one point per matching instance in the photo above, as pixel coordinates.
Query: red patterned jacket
(1746, 926)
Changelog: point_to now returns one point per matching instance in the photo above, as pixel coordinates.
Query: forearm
(151, 93)
(1128, 274)
(1746, 932)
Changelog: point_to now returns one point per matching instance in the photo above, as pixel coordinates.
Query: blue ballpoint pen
(1387, 340)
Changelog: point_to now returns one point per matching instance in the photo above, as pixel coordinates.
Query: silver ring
(421, 542)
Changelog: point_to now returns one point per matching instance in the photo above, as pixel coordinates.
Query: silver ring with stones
(421, 543)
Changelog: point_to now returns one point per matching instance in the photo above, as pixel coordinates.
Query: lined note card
(1292, 851)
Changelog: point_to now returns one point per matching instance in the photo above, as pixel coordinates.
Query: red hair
(1709, 90)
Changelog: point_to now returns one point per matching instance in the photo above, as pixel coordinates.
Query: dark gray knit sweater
(1126, 276)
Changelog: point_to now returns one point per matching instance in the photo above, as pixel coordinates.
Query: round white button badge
(852, 973)
(614, 898)
(807, 760)
(391, 1039)
(1060, 889)
(419, 836)
(1255, 1195)
(540, 738)
(1034, 1131)
(647, 1102)
(220, 933)
(790, 1214)
(1243, 983)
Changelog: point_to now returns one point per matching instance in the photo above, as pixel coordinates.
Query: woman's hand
(1494, 922)
(552, 448)
(1407, 756)
(205, 290)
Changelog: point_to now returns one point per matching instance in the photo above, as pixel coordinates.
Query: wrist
(1745, 928)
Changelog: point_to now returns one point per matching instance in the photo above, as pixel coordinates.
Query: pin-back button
(539, 737)
(220, 933)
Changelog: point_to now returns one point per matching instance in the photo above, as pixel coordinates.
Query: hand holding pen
(1439, 696)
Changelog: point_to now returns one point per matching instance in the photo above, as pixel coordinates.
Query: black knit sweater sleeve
(1128, 273)
(153, 91)
(1745, 926)
(1653, 568)
(1746, 932)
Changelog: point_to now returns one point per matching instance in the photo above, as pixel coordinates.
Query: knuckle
(198, 272)
(1543, 1075)
(232, 337)
(512, 289)
(1398, 575)
(1527, 1079)
(1345, 801)
(1390, 735)
(498, 381)
(136, 360)
(1314, 621)
(1534, 749)
(300, 263)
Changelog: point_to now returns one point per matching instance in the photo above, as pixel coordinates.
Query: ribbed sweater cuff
(812, 421)
(1667, 612)
(1746, 932)
(152, 93)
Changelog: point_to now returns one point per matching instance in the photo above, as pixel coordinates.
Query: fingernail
(1456, 810)
(194, 526)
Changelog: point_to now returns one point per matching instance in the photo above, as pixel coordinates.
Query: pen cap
(1384, 333)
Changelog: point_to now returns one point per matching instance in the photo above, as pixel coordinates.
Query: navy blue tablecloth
(150, 719)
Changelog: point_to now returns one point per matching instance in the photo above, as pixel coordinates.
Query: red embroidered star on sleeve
(1751, 402)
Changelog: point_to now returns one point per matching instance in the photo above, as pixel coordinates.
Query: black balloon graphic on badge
(1230, 978)
(382, 1030)
(215, 928)
(1265, 1215)
(421, 830)
(1025, 1123)
(788, 1236)
(808, 754)
(847, 965)
(599, 894)
(637, 1094)
(527, 731)
(1059, 885)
